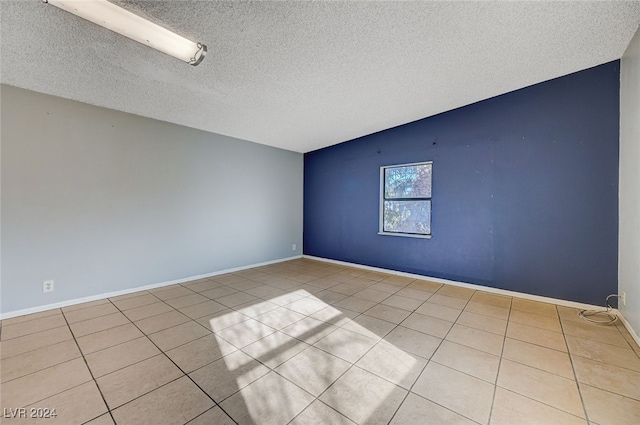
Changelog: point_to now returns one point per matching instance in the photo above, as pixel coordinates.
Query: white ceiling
(305, 75)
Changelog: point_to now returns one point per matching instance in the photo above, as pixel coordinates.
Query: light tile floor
(307, 342)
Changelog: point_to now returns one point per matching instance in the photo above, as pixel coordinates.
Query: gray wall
(629, 238)
(103, 201)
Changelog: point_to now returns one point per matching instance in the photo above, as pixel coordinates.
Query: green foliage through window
(406, 192)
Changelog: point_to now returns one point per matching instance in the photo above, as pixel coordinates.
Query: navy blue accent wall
(525, 191)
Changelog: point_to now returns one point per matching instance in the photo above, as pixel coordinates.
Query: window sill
(405, 235)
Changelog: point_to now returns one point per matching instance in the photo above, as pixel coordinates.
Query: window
(405, 200)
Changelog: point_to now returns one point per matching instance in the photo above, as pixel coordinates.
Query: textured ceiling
(304, 75)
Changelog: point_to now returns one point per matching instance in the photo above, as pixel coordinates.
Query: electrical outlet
(294, 247)
(47, 286)
(624, 298)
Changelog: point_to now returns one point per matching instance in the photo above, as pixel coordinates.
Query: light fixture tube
(117, 19)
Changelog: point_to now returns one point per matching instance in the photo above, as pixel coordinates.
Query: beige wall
(629, 230)
(104, 201)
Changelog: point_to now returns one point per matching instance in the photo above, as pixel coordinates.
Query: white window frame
(381, 230)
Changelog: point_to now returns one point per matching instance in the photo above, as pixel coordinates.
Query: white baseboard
(75, 301)
(627, 325)
(497, 291)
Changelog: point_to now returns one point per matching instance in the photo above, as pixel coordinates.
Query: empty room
(319, 212)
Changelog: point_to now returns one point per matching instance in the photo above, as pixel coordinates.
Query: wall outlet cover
(47, 286)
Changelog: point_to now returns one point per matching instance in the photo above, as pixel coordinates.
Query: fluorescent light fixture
(119, 20)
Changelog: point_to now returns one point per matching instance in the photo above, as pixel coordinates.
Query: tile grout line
(430, 360)
(39, 370)
(89, 370)
(34, 333)
(31, 333)
(495, 386)
(60, 392)
(179, 368)
(75, 340)
(295, 288)
(144, 335)
(352, 365)
(573, 368)
(26, 320)
(545, 371)
(605, 363)
(315, 398)
(504, 339)
(444, 338)
(409, 390)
